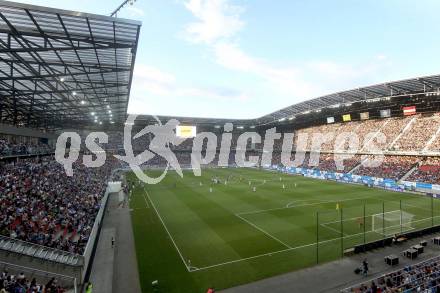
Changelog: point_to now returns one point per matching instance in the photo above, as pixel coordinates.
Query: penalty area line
(306, 201)
(332, 229)
(304, 205)
(266, 233)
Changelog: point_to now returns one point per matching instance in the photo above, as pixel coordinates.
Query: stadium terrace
(208, 139)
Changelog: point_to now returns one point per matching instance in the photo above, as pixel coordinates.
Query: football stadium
(336, 191)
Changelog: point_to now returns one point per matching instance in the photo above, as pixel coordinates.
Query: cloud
(145, 72)
(216, 20)
(218, 25)
(134, 11)
(285, 79)
(232, 57)
(148, 81)
(340, 76)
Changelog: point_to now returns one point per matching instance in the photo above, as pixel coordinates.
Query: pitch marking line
(377, 214)
(347, 220)
(307, 201)
(279, 251)
(333, 229)
(303, 205)
(189, 269)
(376, 231)
(146, 202)
(289, 248)
(138, 209)
(268, 234)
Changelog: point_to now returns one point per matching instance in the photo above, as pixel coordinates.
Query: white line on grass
(368, 216)
(351, 219)
(189, 269)
(303, 205)
(333, 229)
(407, 204)
(326, 225)
(279, 251)
(137, 209)
(146, 202)
(268, 234)
(291, 204)
(289, 248)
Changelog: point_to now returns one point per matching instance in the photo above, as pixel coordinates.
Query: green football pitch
(192, 233)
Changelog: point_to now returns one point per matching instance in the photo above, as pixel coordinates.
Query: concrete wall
(91, 244)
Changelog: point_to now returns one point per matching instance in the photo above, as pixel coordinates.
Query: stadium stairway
(413, 169)
(431, 140)
(357, 166)
(402, 132)
(375, 135)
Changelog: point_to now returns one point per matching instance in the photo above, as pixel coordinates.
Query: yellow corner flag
(337, 206)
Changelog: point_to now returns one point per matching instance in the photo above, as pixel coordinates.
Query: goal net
(393, 222)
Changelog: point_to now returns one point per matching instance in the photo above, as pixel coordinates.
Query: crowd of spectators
(10, 283)
(428, 171)
(42, 205)
(412, 133)
(421, 277)
(393, 167)
(115, 141)
(435, 145)
(311, 132)
(327, 162)
(338, 163)
(418, 134)
(185, 160)
(367, 127)
(390, 128)
(142, 143)
(8, 148)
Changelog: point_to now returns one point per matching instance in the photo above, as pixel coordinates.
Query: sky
(244, 59)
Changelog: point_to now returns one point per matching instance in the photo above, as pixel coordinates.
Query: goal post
(392, 222)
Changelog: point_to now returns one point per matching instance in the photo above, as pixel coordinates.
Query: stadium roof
(57, 67)
(371, 93)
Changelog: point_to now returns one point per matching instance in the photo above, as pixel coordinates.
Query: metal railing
(42, 277)
(40, 251)
(399, 283)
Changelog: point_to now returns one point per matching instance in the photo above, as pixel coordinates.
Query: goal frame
(403, 220)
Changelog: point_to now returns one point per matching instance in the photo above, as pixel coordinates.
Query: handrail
(26, 155)
(40, 246)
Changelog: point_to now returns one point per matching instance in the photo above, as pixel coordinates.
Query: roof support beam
(48, 54)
